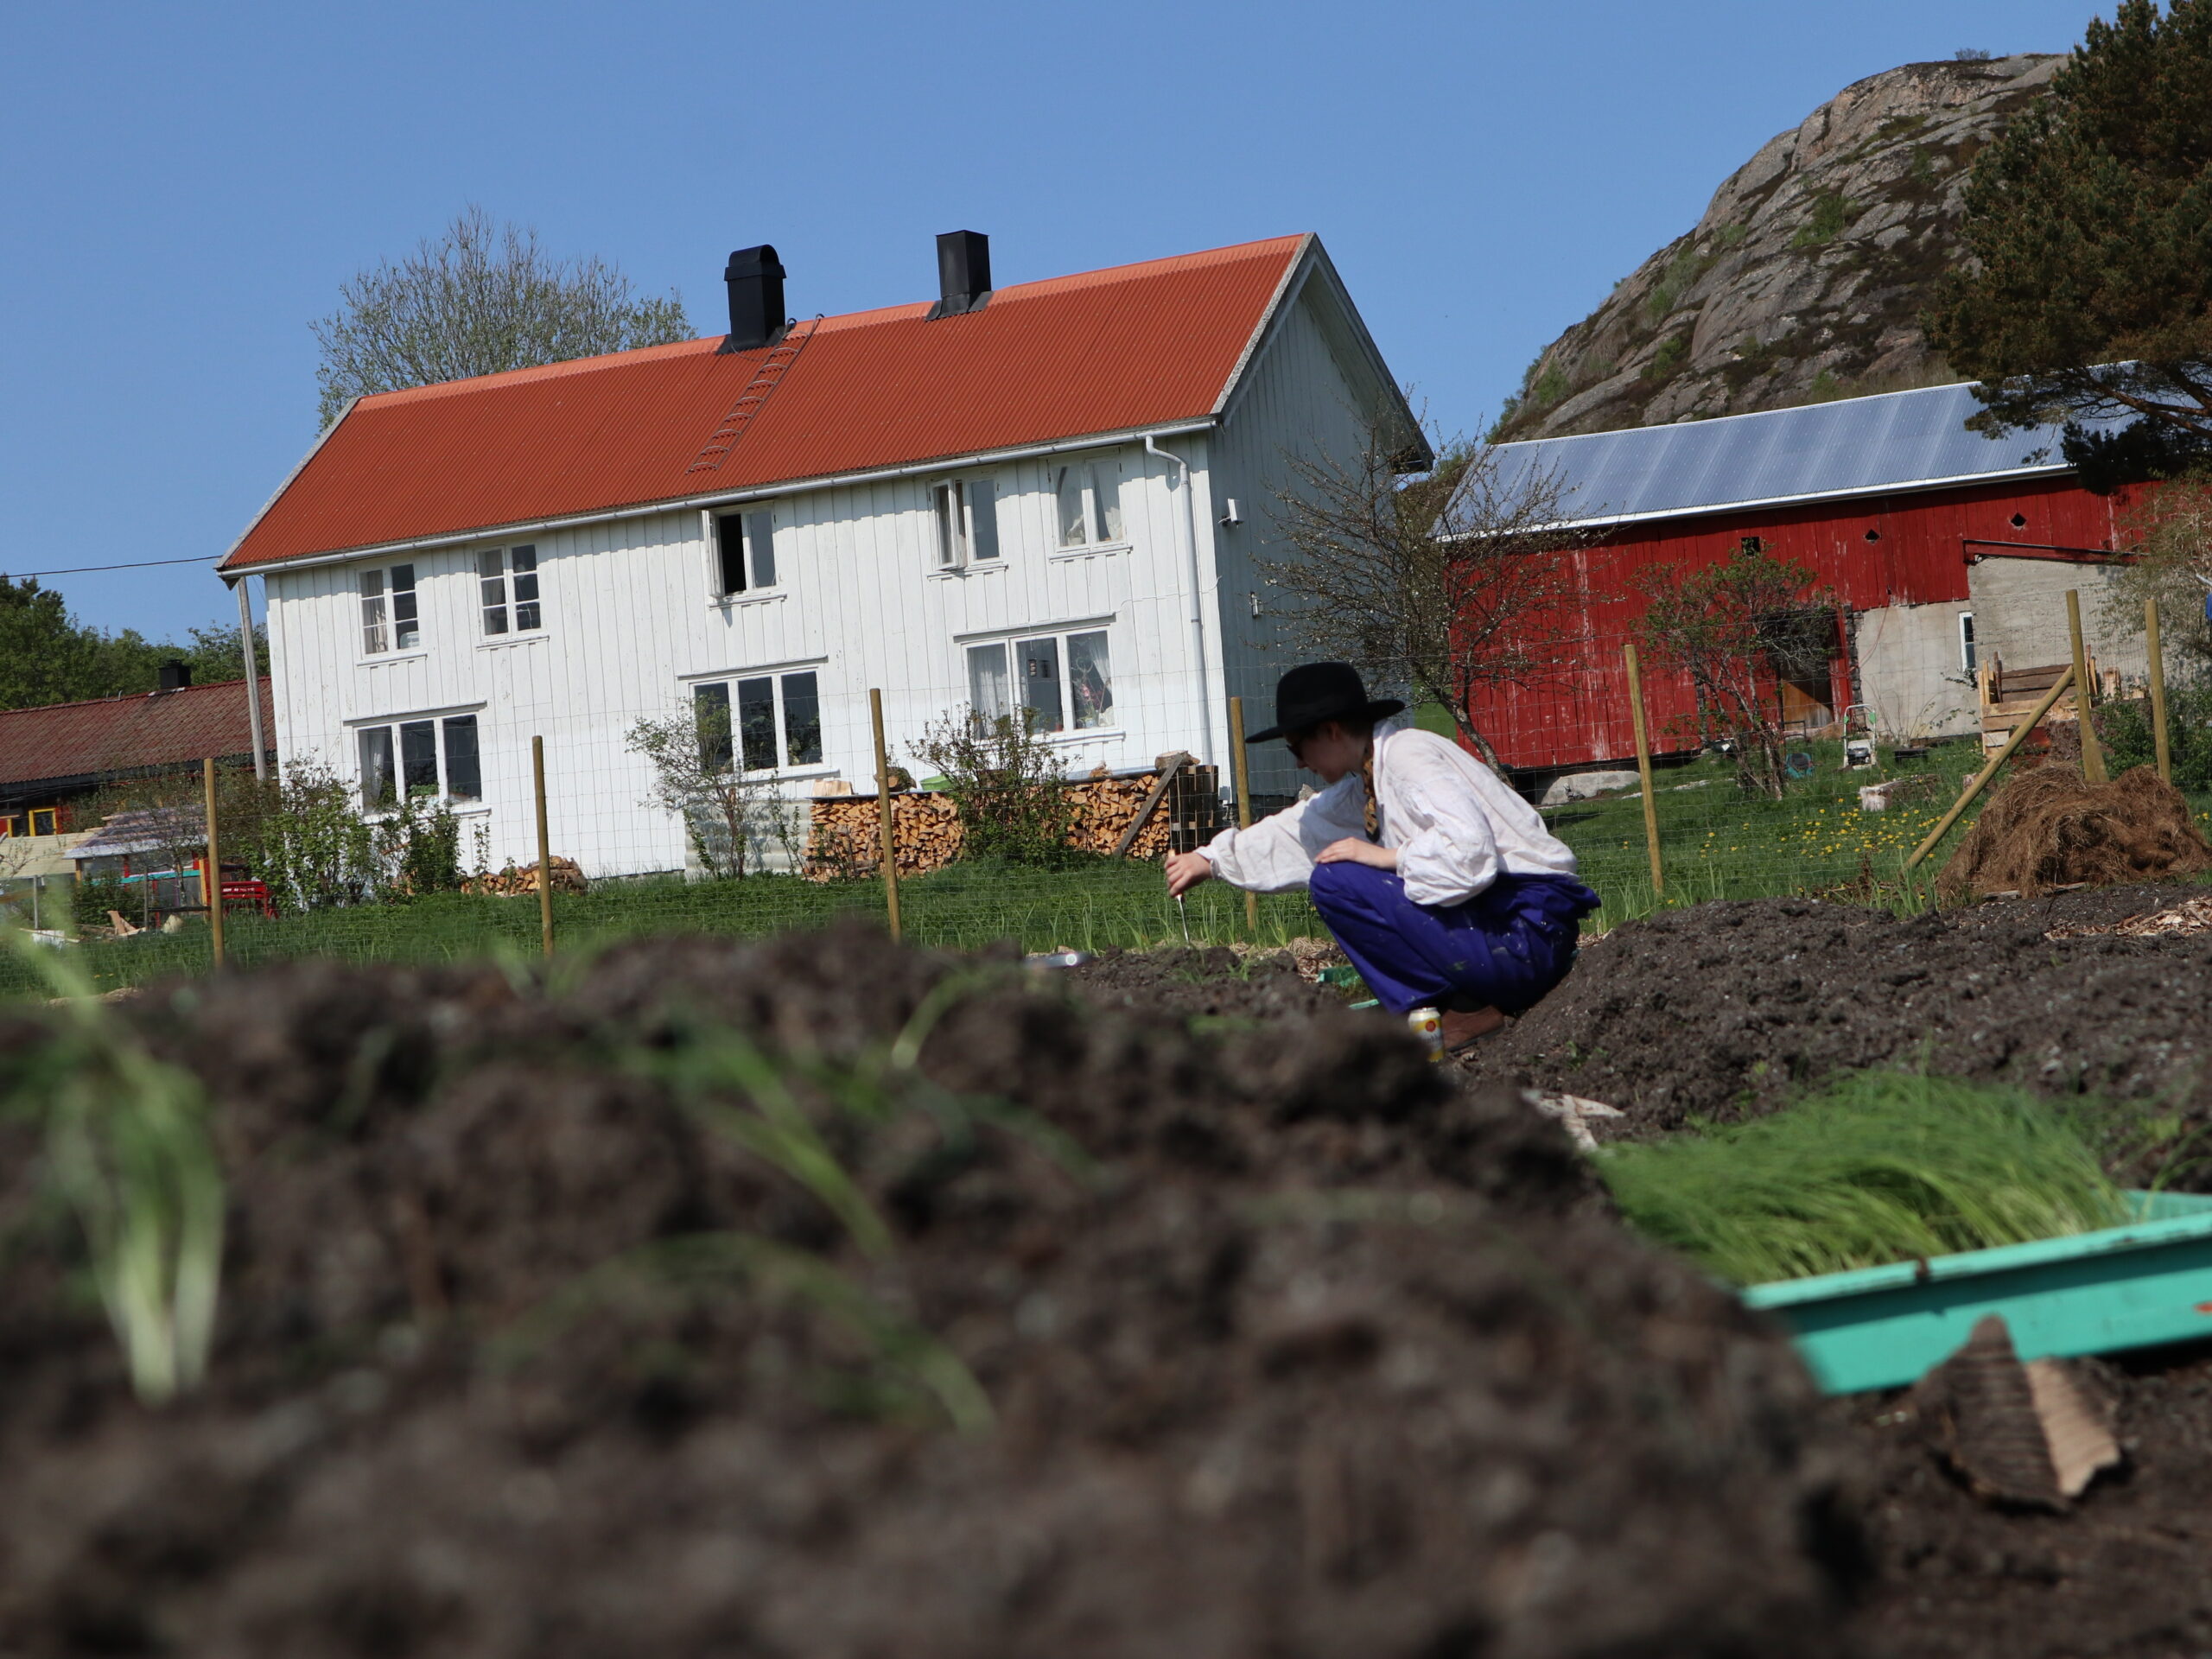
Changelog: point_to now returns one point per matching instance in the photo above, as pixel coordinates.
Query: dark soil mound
(1302, 1353)
(1723, 1010)
(2047, 829)
(1212, 984)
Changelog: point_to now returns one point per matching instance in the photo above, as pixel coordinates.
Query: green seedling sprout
(1879, 1166)
(127, 1141)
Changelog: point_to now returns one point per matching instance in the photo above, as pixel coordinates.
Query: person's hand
(1186, 871)
(1352, 850)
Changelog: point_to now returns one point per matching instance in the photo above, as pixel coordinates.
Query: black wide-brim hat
(1314, 693)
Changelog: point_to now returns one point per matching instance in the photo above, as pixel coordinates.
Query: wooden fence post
(211, 885)
(1643, 767)
(889, 820)
(1244, 802)
(2093, 758)
(1981, 779)
(2158, 691)
(544, 847)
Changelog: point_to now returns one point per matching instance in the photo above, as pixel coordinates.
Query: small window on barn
(1966, 641)
(2020, 521)
(1750, 544)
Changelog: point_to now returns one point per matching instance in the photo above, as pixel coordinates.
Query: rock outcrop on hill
(1805, 278)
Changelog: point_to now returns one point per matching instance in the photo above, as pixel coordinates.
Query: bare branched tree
(1442, 585)
(731, 816)
(482, 298)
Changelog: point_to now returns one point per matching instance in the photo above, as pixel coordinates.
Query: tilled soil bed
(1724, 1011)
(550, 1326)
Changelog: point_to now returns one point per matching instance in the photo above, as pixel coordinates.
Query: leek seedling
(1880, 1167)
(127, 1142)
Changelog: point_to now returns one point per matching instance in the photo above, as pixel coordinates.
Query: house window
(1066, 681)
(388, 616)
(745, 549)
(1088, 495)
(1966, 641)
(967, 517)
(776, 721)
(429, 759)
(39, 821)
(507, 582)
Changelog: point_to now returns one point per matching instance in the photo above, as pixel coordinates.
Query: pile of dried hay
(2048, 829)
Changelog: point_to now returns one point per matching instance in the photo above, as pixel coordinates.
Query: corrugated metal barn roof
(1898, 439)
(1138, 346)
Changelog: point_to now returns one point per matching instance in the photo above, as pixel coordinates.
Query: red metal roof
(71, 741)
(1138, 345)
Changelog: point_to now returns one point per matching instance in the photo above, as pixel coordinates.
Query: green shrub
(89, 902)
(1879, 1166)
(1005, 778)
(2125, 730)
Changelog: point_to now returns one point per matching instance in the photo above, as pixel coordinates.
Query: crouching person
(1441, 885)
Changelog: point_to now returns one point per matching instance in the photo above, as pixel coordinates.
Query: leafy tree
(1445, 584)
(47, 656)
(1005, 780)
(2089, 225)
(1737, 629)
(732, 817)
(482, 298)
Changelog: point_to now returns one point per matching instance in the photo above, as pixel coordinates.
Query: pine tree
(2089, 224)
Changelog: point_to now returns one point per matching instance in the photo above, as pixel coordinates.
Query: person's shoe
(1462, 1032)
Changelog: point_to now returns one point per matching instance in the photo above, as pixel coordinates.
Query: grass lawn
(1715, 842)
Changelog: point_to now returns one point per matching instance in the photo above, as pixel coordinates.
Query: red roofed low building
(1045, 495)
(52, 758)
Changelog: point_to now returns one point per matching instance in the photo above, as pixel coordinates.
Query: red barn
(1941, 546)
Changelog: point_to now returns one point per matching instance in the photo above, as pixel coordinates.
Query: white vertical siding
(630, 623)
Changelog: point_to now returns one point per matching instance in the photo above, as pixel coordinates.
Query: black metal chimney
(756, 299)
(174, 676)
(963, 273)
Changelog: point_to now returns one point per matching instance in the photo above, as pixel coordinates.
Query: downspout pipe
(252, 681)
(1197, 603)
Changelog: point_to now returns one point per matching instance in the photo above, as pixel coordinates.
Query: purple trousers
(1504, 948)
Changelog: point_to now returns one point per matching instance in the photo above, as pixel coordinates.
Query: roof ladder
(765, 378)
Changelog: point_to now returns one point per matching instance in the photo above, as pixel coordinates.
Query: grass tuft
(1879, 1166)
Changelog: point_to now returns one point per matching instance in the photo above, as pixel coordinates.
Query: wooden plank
(1171, 764)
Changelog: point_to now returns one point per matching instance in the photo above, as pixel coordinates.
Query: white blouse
(1455, 825)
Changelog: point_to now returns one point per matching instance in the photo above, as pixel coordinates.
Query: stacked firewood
(847, 837)
(511, 882)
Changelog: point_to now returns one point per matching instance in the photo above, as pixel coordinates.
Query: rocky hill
(1805, 278)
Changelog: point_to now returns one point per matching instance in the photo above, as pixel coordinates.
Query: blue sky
(183, 188)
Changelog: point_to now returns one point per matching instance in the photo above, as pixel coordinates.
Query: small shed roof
(74, 745)
(1854, 446)
(153, 830)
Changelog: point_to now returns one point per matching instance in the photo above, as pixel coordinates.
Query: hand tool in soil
(1184, 911)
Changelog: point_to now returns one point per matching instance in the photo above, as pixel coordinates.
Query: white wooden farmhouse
(1047, 493)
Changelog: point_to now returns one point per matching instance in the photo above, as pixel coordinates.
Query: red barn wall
(1916, 555)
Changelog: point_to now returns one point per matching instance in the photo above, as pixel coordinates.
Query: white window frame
(1010, 645)
(500, 591)
(377, 588)
(440, 721)
(961, 532)
(1087, 473)
(760, 566)
(1969, 647)
(777, 680)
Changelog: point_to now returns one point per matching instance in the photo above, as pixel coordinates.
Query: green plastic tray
(2130, 1286)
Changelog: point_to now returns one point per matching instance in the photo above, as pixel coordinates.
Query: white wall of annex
(1295, 402)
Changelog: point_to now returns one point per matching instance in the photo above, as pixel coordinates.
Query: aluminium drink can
(1427, 1025)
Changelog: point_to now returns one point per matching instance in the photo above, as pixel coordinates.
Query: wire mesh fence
(1871, 743)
